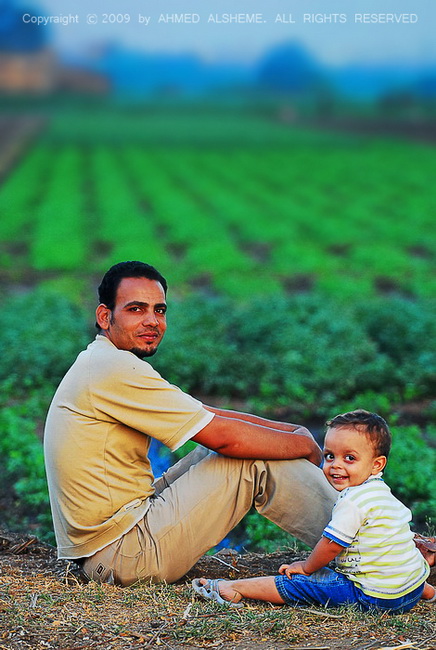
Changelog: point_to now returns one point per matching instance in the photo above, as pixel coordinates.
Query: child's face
(349, 458)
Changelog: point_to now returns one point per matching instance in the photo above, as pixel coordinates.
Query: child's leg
(262, 588)
(324, 587)
(429, 592)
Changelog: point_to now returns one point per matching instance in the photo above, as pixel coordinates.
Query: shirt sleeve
(133, 394)
(346, 520)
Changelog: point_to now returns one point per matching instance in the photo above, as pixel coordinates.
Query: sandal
(210, 591)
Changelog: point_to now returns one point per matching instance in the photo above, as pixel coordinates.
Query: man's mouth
(149, 337)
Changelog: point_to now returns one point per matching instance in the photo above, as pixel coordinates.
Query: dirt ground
(29, 568)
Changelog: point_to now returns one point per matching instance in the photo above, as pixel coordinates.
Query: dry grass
(45, 604)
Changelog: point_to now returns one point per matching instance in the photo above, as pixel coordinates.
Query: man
(108, 512)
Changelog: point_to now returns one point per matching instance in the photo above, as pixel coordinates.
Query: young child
(377, 563)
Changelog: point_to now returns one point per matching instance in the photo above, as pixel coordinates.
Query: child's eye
(350, 457)
(328, 456)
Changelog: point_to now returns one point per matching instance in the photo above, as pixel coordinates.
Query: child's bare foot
(228, 593)
(233, 592)
(219, 590)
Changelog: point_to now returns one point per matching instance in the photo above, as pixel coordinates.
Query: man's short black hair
(373, 426)
(107, 291)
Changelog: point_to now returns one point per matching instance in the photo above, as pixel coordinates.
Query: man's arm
(240, 435)
(255, 419)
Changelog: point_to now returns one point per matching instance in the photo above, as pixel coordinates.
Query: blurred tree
(15, 34)
(289, 68)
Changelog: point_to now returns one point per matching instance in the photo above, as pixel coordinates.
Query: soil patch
(45, 603)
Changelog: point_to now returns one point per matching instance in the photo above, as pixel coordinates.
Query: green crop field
(230, 205)
(301, 267)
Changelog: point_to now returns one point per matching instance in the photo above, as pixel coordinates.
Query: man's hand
(295, 567)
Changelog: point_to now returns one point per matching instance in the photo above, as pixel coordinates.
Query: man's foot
(429, 594)
(427, 547)
(220, 591)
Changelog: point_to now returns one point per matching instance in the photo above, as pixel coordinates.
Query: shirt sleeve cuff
(335, 539)
(196, 428)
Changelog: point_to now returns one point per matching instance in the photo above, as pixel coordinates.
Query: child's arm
(325, 551)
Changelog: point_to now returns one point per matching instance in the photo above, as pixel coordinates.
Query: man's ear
(103, 316)
(378, 464)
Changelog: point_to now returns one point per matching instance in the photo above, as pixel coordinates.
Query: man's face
(137, 322)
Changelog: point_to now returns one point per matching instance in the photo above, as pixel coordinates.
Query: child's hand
(295, 567)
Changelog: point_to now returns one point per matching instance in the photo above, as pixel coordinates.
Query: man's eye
(161, 311)
(134, 309)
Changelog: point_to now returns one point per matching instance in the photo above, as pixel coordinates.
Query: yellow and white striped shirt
(380, 555)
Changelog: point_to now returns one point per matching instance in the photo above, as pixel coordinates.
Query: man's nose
(150, 318)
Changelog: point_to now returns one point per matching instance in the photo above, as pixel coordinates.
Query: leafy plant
(41, 332)
(404, 331)
(23, 465)
(293, 355)
(410, 473)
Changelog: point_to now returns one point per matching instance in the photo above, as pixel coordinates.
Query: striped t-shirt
(380, 555)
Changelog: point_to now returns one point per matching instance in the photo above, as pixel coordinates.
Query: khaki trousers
(199, 500)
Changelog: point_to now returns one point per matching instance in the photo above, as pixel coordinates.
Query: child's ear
(378, 464)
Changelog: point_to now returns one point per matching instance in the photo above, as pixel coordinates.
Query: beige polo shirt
(97, 436)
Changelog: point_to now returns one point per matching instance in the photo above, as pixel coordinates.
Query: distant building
(22, 73)
(26, 63)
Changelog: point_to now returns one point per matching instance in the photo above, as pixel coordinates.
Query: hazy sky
(332, 42)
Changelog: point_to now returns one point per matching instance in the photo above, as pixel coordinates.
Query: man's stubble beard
(143, 354)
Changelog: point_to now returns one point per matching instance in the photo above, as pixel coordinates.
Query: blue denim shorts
(331, 589)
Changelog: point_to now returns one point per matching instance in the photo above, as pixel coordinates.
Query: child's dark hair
(371, 424)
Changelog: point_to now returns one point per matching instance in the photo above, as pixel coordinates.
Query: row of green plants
(19, 194)
(59, 230)
(341, 215)
(302, 359)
